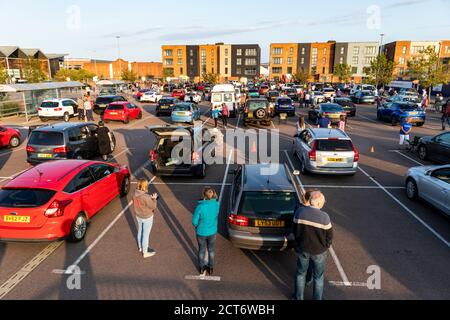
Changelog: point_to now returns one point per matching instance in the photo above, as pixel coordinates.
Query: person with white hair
(313, 233)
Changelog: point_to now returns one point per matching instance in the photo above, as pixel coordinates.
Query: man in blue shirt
(405, 130)
(324, 122)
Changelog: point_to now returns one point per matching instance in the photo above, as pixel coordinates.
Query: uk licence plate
(415, 113)
(335, 160)
(45, 156)
(17, 219)
(164, 107)
(269, 224)
(113, 113)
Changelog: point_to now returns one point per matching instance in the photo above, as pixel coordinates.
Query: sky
(88, 28)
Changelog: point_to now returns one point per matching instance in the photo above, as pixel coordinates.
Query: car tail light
(246, 109)
(153, 155)
(238, 220)
(56, 209)
(60, 150)
(58, 109)
(356, 158)
(313, 152)
(172, 105)
(30, 149)
(39, 109)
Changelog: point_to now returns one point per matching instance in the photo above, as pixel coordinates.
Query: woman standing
(301, 125)
(225, 115)
(104, 141)
(144, 206)
(205, 220)
(342, 123)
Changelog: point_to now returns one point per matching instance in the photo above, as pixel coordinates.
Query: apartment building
(283, 60)
(245, 61)
(445, 51)
(358, 55)
(174, 60)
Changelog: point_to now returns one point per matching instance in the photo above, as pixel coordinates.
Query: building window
(417, 49)
(342, 50)
(447, 49)
(314, 57)
(239, 52)
(250, 72)
(179, 53)
(226, 70)
(289, 70)
(180, 62)
(238, 70)
(341, 60)
(355, 60)
(277, 51)
(303, 61)
(355, 70)
(356, 50)
(324, 51)
(191, 52)
(303, 51)
(181, 70)
(371, 50)
(289, 60)
(168, 53)
(368, 60)
(401, 72)
(226, 61)
(277, 70)
(291, 51)
(404, 50)
(168, 62)
(250, 62)
(250, 52)
(324, 60)
(277, 60)
(203, 60)
(226, 52)
(192, 62)
(239, 62)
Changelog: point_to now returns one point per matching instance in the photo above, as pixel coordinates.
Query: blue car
(396, 112)
(185, 113)
(284, 105)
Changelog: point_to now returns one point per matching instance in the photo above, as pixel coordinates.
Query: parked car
(435, 148)
(317, 98)
(363, 97)
(263, 90)
(326, 151)
(332, 111)
(165, 106)
(406, 99)
(272, 95)
(347, 104)
(292, 93)
(430, 183)
(363, 87)
(396, 112)
(56, 200)
(185, 113)
(262, 208)
(9, 137)
(253, 93)
(329, 93)
(108, 92)
(122, 111)
(179, 94)
(141, 93)
(57, 109)
(194, 96)
(163, 164)
(102, 102)
(151, 96)
(284, 105)
(64, 141)
(257, 111)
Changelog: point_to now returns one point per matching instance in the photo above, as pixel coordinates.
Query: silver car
(326, 151)
(430, 183)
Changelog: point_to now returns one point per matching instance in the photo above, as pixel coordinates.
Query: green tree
(301, 77)
(3, 74)
(428, 69)
(32, 71)
(381, 71)
(81, 75)
(128, 75)
(343, 72)
(210, 78)
(168, 72)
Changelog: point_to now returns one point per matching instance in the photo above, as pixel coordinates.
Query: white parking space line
(225, 176)
(13, 281)
(13, 176)
(187, 184)
(118, 155)
(332, 252)
(407, 157)
(415, 216)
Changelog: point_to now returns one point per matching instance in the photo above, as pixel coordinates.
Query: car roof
(254, 181)
(257, 99)
(323, 133)
(330, 105)
(49, 175)
(62, 126)
(343, 98)
(56, 100)
(109, 96)
(284, 98)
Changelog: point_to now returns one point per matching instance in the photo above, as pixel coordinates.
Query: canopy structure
(24, 87)
(110, 82)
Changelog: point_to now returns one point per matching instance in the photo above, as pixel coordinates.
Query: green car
(253, 93)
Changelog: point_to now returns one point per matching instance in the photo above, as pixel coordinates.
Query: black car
(435, 148)
(165, 106)
(272, 95)
(262, 206)
(257, 111)
(63, 141)
(161, 157)
(102, 102)
(347, 104)
(292, 93)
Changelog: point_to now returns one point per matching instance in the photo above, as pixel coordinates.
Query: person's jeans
(215, 122)
(144, 229)
(303, 263)
(206, 243)
(80, 114)
(444, 120)
(225, 121)
(89, 115)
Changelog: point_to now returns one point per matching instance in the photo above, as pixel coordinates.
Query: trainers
(140, 250)
(203, 272)
(149, 254)
(210, 271)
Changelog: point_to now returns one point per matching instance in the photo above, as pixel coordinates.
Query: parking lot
(375, 226)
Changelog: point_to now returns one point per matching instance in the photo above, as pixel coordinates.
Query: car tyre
(127, 120)
(78, 228)
(14, 142)
(43, 119)
(79, 156)
(125, 188)
(393, 121)
(140, 116)
(202, 173)
(66, 117)
(412, 192)
(423, 152)
(420, 124)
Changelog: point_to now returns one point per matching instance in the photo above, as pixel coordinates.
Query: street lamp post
(381, 41)
(118, 52)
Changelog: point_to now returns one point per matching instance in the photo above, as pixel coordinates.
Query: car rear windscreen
(336, 108)
(182, 108)
(334, 145)
(253, 106)
(104, 100)
(45, 138)
(268, 204)
(165, 101)
(284, 102)
(25, 198)
(115, 107)
(49, 105)
(274, 94)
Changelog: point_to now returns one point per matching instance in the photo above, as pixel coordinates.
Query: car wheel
(43, 119)
(423, 152)
(79, 157)
(412, 191)
(420, 124)
(125, 188)
(393, 121)
(379, 117)
(78, 228)
(157, 114)
(66, 117)
(127, 120)
(140, 116)
(14, 142)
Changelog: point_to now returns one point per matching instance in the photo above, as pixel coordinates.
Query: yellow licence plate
(164, 107)
(17, 219)
(335, 160)
(250, 115)
(270, 224)
(45, 156)
(113, 113)
(413, 113)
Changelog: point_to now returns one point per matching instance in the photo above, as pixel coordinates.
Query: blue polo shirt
(406, 128)
(324, 122)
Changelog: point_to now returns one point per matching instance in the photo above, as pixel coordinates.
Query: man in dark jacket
(104, 141)
(313, 235)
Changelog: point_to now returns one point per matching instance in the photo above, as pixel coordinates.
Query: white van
(225, 93)
(363, 87)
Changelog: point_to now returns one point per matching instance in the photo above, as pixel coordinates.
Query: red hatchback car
(55, 200)
(180, 94)
(9, 137)
(122, 111)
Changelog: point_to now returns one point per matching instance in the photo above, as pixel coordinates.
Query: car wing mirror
(428, 173)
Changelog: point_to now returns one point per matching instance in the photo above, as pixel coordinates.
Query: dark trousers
(89, 115)
(445, 119)
(215, 122)
(81, 114)
(206, 243)
(225, 121)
